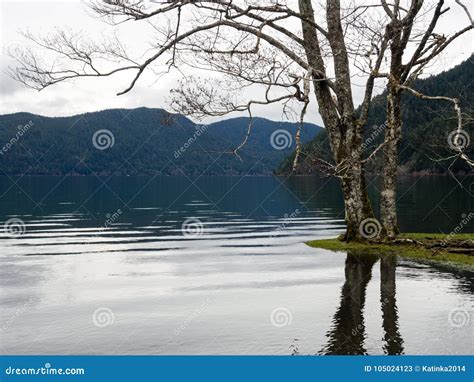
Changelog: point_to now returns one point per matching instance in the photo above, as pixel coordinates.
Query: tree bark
(338, 114)
(356, 203)
(393, 131)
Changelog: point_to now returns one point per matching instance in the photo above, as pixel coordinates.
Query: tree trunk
(356, 199)
(393, 131)
(388, 208)
(337, 112)
(357, 208)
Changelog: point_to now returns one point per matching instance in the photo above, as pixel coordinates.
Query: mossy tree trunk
(388, 195)
(354, 190)
(336, 107)
(393, 131)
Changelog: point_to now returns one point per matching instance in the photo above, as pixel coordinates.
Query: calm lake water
(104, 267)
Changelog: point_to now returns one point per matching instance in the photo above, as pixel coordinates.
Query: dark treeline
(145, 142)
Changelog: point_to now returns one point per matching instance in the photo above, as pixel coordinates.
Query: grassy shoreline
(422, 246)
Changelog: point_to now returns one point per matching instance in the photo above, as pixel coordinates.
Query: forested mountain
(145, 141)
(426, 126)
(153, 141)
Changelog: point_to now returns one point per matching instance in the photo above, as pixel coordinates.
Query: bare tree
(405, 68)
(288, 49)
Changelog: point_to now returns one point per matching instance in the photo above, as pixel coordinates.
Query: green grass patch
(425, 247)
(437, 236)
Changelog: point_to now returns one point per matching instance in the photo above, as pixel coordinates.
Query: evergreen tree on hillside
(426, 126)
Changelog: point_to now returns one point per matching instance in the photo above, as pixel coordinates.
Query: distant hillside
(145, 142)
(427, 125)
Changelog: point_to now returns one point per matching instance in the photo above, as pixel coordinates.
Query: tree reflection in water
(347, 333)
(393, 341)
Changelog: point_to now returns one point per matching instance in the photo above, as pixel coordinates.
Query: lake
(218, 265)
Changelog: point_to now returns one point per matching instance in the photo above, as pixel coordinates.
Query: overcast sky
(86, 95)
